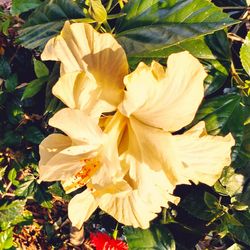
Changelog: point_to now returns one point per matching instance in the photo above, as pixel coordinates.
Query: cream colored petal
(111, 170)
(51, 145)
(65, 164)
(130, 210)
(81, 128)
(202, 155)
(165, 100)
(80, 91)
(80, 47)
(81, 208)
(151, 188)
(155, 148)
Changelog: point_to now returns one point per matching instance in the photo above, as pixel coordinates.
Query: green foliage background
(34, 214)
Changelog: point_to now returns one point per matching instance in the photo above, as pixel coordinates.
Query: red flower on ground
(103, 241)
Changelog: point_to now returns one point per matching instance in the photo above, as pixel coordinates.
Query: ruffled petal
(167, 100)
(203, 156)
(81, 208)
(65, 164)
(130, 210)
(155, 148)
(52, 145)
(80, 48)
(80, 91)
(81, 128)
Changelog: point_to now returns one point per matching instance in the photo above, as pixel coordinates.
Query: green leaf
(97, 11)
(43, 197)
(40, 68)
(241, 232)
(236, 246)
(151, 26)
(217, 112)
(230, 183)
(33, 134)
(11, 83)
(47, 21)
(26, 189)
(5, 69)
(157, 237)
(20, 6)
(9, 212)
(5, 27)
(195, 205)
(244, 54)
(12, 176)
(11, 138)
(34, 87)
(6, 240)
(15, 113)
(210, 200)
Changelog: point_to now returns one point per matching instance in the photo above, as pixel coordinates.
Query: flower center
(90, 166)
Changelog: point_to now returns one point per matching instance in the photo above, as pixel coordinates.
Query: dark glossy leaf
(33, 134)
(210, 200)
(46, 21)
(43, 197)
(230, 2)
(5, 69)
(34, 87)
(195, 205)
(11, 138)
(157, 237)
(217, 113)
(20, 6)
(150, 26)
(15, 113)
(241, 232)
(11, 83)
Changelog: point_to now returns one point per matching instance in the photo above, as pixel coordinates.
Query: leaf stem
(236, 76)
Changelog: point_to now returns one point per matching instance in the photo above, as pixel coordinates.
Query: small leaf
(43, 197)
(230, 183)
(6, 240)
(5, 26)
(210, 200)
(97, 11)
(34, 87)
(244, 54)
(11, 83)
(236, 246)
(20, 6)
(5, 69)
(12, 176)
(157, 237)
(40, 68)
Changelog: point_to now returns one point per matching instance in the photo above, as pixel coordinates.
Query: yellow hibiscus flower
(92, 68)
(139, 161)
